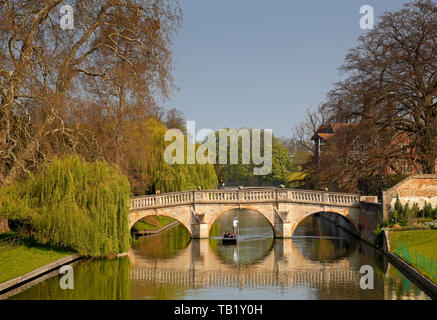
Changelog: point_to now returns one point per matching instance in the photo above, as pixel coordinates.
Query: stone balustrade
(214, 278)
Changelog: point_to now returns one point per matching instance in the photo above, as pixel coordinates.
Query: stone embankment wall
(414, 275)
(369, 217)
(415, 189)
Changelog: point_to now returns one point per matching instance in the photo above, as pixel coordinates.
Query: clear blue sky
(260, 64)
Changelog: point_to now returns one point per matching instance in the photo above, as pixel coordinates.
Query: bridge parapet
(214, 278)
(236, 196)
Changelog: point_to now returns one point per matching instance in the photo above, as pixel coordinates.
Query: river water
(321, 261)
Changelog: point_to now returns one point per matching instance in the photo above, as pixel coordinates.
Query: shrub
(397, 227)
(378, 237)
(404, 215)
(73, 204)
(397, 213)
(427, 211)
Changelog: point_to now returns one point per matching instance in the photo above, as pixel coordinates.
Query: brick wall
(415, 189)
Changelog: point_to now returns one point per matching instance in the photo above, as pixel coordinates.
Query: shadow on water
(319, 240)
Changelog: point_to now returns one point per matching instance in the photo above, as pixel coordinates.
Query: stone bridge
(283, 208)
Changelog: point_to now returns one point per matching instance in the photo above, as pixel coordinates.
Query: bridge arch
(216, 215)
(180, 214)
(343, 215)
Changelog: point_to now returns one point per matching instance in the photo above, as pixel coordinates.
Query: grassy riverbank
(152, 223)
(19, 259)
(418, 248)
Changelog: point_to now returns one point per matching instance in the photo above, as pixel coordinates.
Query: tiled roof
(324, 136)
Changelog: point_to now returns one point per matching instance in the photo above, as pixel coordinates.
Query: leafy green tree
(281, 164)
(283, 170)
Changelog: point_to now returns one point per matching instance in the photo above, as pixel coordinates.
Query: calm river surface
(320, 262)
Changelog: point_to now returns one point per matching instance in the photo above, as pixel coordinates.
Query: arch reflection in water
(300, 268)
(318, 239)
(325, 266)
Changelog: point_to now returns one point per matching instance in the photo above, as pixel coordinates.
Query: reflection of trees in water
(110, 279)
(400, 286)
(165, 245)
(330, 245)
(344, 246)
(96, 279)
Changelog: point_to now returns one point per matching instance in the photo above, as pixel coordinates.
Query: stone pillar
(199, 231)
(282, 230)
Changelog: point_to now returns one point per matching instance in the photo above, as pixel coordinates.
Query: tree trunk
(4, 226)
(27, 154)
(429, 166)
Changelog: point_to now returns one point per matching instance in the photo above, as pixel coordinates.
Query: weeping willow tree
(176, 177)
(142, 162)
(73, 204)
(183, 177)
